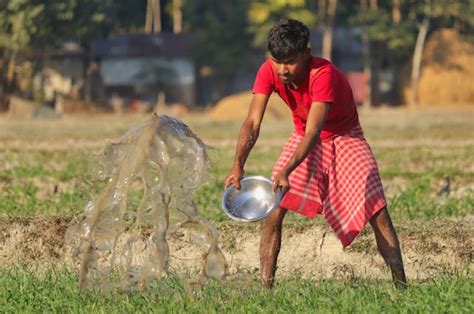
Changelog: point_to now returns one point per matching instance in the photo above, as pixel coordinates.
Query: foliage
(262, 14)
(391, 39)
(60, 20)
(220, 36)
(82, 21)
(458, 14)
(228, 28)
(18, 23)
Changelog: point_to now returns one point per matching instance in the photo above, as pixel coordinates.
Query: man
(326, 167)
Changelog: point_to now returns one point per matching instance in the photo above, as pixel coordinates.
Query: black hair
(286, 38)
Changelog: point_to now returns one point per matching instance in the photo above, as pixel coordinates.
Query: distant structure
(58, 72)
(157, 67)
(144, 66)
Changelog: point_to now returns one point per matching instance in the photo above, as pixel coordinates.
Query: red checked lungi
(338, 179)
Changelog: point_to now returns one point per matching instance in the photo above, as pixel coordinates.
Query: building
(142, 66)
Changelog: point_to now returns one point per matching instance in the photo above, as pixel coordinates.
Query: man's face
(292, 69)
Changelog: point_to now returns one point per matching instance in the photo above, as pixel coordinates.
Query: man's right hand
(234, 177)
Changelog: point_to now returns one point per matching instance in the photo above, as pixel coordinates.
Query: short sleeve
(264, 81)
(322, 87)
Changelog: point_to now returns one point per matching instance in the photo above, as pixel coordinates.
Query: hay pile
(446, 72)
(235, 107)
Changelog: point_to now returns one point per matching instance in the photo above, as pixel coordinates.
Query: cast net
(122, 244)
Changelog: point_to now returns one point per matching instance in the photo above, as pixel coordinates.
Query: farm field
(426, 160)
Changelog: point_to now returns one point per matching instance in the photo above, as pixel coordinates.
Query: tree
(396, 11)
(220, 40)
(327, 10)
(442, 13)
(177, 16)
(153, 16)
(386, 37)
(174, 13)
(417, 54)
(17, 26)
(366, 56)
(262, 14)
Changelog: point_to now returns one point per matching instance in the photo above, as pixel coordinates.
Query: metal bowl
(254, 201)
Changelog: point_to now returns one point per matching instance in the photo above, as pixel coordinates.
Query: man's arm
(315, 122)
(247, 138)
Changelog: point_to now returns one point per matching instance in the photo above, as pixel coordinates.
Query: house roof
(162, 44)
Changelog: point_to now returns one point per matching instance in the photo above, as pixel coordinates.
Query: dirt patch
(37, 240)
(235, 107)
(446, 71)
(429, 248)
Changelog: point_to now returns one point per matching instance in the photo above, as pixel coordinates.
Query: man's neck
(297, 83)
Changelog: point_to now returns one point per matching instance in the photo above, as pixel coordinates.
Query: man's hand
(281, 181)
(234, 177)
(316, 119)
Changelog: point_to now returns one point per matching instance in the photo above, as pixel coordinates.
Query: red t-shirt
(325, 83)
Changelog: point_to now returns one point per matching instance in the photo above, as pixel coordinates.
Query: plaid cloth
(338, 179)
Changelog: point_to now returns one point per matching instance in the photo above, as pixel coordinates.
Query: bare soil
(429, 248)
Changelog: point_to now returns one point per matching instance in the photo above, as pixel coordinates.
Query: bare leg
(270, 242)
(388, 245)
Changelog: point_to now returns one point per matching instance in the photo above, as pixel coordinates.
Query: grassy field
(58, 292)
(46, 164)
(426, 159)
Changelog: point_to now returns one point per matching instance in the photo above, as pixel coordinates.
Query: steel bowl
(254, 201)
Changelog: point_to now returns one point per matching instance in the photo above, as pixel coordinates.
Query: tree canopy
(226, 33)
(18, 23)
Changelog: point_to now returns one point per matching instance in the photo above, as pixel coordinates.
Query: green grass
(59, 180)
(46, 179)
(22, 200)
(62, 183)
(57, 291)
(417, 202)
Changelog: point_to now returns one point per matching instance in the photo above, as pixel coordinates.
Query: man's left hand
(281, 181)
